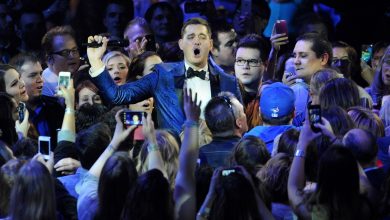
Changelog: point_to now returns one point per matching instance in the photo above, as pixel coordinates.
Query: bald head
(362, 144)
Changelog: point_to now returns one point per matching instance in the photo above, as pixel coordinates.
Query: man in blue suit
(166, 82)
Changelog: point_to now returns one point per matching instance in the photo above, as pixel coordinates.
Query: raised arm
(277, 40)
(185, 187)
(155, 160)
(125, 94)
(296, 178)
(120, 134)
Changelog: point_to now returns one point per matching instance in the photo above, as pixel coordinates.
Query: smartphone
(132, 118)
(21, 109)
(314, 116)
(281, 27)
(63, 80)
(227, 172)
(44, 146)
(246, 7)
(366, 52)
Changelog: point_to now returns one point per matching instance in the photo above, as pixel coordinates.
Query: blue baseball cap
(277, 100)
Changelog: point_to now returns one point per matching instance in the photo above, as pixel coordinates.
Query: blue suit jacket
(165, 84)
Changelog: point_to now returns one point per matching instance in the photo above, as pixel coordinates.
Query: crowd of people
(192, 110)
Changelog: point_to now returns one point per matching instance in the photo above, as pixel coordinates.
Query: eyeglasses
(251, 62)
(340, 62)
(228, 103)
(67, 52)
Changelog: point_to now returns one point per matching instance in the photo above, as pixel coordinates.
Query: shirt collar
(205, 68)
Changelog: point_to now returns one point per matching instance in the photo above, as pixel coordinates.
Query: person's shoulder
(167, 67)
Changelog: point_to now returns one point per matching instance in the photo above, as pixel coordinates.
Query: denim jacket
(165, 84)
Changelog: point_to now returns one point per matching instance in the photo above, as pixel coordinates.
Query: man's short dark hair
(194, 21)
(219, 114)
(92, 142)
(362, 144)
(320, 46)
(222, 27)
(137, 21)
(254, 41)
(284, 120)
(47, 40)
(20, 59)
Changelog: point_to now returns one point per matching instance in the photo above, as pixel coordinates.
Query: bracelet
(69, 110)
(300, 153)
(190, 123)
(152, 147)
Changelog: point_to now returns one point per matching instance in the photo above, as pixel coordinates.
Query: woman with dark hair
(339, 119)
(32, 196)
(251, 153)
(11, 83)
(8, 173)
(142, 65)
(346, 59)
(165, 21)
(117, 178)
(233, 195)
(337, 194)
(381, 85)
(9, 123)
(150, 198)
(340, 92)
(287, 143)
(87, 92)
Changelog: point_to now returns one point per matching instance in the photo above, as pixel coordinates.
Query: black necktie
(192, 73)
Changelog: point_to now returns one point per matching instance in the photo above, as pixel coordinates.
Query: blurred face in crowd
(376, 58)
(32, 76)
(133, 34)
(88, 96)
(196, 45)
(14, 85)
(118, 69)
(386, 68)
(341, 61)
(150, 62)
(248, 67)
(31, 30)
(224, 54)
(66, 56)
(162, 23)
(305, 60)
(115, 19)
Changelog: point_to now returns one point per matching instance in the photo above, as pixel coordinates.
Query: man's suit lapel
(214, 81)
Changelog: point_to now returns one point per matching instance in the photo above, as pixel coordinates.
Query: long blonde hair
(169, 149)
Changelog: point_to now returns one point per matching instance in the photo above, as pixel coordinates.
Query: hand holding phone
(44, 146)
(314, 116)
(63, 80)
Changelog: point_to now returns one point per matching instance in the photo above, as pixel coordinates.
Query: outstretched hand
(191, 108)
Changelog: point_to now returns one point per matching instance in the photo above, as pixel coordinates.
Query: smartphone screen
(21, 109)
(44, 146)
(227, 172)
(132, 118)
(314, 116)
(281, 27)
